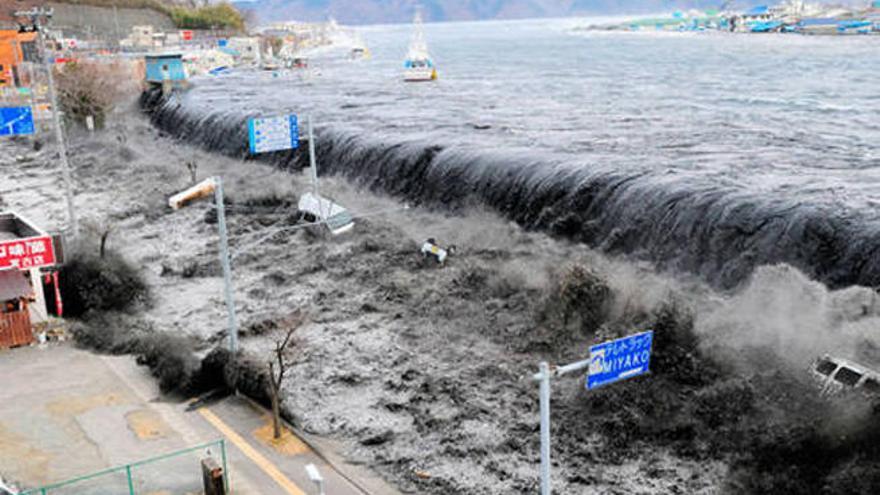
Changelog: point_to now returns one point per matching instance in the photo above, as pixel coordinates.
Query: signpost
(619, 359)
(16, 121)
(273, 134)
(609, 362)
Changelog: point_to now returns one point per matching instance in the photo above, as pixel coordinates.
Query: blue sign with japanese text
(273, 134)
(15, 121)
(619, 359)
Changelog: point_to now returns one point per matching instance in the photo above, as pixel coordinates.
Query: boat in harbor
(359, 50)
(419, 66)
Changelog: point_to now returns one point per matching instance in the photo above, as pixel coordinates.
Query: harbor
(791, 17)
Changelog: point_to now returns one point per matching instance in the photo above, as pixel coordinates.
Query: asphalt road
(65, 413)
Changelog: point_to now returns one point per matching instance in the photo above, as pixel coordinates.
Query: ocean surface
(710, 153)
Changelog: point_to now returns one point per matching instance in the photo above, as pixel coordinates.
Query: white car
(837, 375)
(315, 208)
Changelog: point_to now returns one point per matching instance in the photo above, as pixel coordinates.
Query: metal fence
(175, 473)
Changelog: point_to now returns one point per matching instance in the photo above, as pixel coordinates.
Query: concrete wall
(81, 20)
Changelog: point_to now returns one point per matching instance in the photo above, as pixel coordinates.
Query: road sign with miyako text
(273, 134)
(24, 254)
(619, 359)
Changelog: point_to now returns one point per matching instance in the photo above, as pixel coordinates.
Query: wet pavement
(65, 413)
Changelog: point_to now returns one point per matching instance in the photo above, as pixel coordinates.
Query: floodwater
(708, 153)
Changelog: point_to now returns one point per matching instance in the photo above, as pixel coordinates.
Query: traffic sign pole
(545, 427)
(543, 377)
(611, 361)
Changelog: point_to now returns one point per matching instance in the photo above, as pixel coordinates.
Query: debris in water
(431, 249)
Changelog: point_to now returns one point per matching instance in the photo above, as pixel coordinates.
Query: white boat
(419, 66)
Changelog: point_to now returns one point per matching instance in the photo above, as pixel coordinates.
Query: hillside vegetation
(221, 15)
(184, 15)
(385, 11)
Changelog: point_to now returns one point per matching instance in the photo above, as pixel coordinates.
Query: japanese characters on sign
(273, 134)
(24, 254)
(619, 359)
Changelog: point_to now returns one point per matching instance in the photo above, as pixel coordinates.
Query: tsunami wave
(719, 234)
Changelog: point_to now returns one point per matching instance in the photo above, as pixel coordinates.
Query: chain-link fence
(175, 473)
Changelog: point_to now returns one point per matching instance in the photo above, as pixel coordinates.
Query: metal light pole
(227, 267)
(204, 190)
(36, 14)
(544, 377)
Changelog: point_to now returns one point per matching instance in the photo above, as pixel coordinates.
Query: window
(825, 367)
(872, 386)
(848, 377)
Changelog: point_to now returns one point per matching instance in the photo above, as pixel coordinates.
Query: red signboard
(24, 254)
(186, 35)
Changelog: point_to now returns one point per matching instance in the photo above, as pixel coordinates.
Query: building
(198, 62)
(141, 37)
(24, 251)
(16, 48)
(15, 321)
(247, 48)
(165, 68)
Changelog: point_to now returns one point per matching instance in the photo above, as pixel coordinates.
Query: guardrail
(165, 473)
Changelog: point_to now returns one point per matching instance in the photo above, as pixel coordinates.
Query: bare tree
(102, 228)
(193, 168)
(89, 88)
(277, 368)
(104, 235)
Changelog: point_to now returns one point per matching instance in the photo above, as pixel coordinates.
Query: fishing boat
(359, 49)
(419, 66)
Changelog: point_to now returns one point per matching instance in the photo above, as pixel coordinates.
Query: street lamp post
(36, 14)
(227, 267)
(201, 190)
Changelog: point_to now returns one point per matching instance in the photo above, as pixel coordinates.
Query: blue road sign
(619, 359)
(16, 120)
(273, 134)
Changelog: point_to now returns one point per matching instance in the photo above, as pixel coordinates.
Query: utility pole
(118, 30)
(313, 162)
(35, 14)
